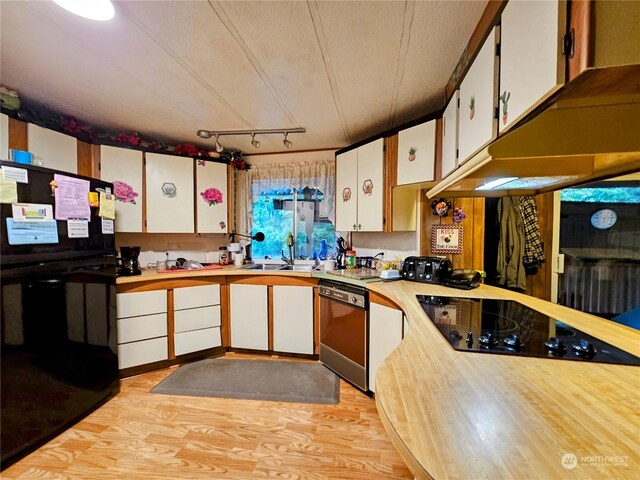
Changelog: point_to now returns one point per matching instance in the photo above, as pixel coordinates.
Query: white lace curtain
(249, 183)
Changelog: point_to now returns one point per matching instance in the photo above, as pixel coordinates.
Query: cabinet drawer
(139, 328)
(187, 342)
(196, 318)
(192, 297)
(139, 353)
(141, 303)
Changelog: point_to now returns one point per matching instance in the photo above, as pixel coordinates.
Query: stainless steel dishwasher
(344, 327)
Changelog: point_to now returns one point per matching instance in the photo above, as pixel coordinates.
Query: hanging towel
(509, 266)
(533, 257)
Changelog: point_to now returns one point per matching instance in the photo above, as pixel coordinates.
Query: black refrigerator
(59, 357)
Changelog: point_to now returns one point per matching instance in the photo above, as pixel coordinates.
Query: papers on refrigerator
(72, 197)
(32, 212)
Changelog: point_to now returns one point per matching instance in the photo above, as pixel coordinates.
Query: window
(294, 198)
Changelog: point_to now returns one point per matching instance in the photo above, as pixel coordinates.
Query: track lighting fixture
(219, 147)
(287, 143)
(255, 143)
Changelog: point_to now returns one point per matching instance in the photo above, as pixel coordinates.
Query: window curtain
(249, 184)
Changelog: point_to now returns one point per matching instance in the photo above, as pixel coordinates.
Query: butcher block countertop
(472, 415)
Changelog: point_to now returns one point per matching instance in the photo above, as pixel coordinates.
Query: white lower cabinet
(142, 328)
(249, 317)
(385, 334)
(293, 319)
(196, 318)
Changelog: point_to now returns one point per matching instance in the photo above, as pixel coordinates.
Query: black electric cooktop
(510, 328)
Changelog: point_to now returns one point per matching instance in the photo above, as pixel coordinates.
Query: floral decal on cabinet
(472, 107)
(346, 194)
(222, 225)
(367, 187)
(212, 196)
(412, 153)
(504, 98)
(124, 192)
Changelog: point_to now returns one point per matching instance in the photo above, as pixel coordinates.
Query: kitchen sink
(264, 266)
(280, 267)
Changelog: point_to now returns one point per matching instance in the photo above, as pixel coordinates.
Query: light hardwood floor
(138, 434)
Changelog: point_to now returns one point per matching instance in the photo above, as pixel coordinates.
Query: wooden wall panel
(390, 179)
(472, 255)
(88, 160)
(539, 284)
(18, 135)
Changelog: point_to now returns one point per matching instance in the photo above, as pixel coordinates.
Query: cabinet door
(192, 297)
(450, 135)
(141, 303)
(371, 186)
(249, 317)
(125, 167)
(59, 151)
(385, 334)
(346, 191)
(212, 201)
(478, 98)
(293, 319)
(169, 194)
(531, 63)
(416, 153)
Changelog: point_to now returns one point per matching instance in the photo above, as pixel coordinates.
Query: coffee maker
(129, 262)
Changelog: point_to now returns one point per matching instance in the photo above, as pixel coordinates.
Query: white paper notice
(32, 212)
(19, 175)
(78, 228)
(107, 226)
(72, 197)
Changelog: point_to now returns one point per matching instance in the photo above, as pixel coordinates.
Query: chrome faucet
(289, 242)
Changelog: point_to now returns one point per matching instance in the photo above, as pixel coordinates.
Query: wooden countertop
(471, 415)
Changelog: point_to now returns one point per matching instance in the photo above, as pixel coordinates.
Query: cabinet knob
(359, 227)
(355, 226)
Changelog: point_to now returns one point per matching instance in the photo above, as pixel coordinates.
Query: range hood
(589, 131)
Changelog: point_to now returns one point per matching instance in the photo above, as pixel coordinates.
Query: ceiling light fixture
(285, 142)
(100, 10)
(219, 147)
(255, 143)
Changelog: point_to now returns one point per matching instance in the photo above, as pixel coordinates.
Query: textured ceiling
(343, 70)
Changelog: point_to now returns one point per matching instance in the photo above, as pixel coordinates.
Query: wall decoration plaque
(446, 238)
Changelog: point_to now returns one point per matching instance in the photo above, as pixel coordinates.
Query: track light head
(219, 147)
(204, 133)
(254, 142)
(287, 143)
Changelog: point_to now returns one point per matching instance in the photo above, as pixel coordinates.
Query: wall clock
(604, 218)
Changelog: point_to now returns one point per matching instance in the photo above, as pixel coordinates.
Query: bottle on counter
(351, 259)
(224, 256)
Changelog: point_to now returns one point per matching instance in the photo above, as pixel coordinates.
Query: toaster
(426, 269)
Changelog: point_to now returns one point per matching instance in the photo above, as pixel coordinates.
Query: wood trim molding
(437, 174)
(88, 159)
(390, 179)
(225, 311)
(489, 19)
(316, 321)
(144, 192)
(581, 22)
(271, 280)
(171, 328)
(375, 297)
(270, 317)
(162, 284)
(18, 134)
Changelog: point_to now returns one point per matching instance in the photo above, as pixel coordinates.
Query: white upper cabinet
(346, 191)
(169, 194)
(450, 135)
(478, 98)
(212, 202)
(371, 186)
(531, 61)
(123, 167)
(59, 151)
(416, 153)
